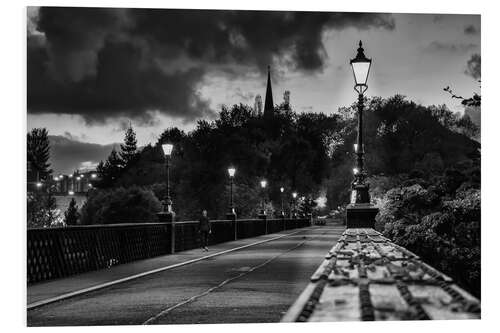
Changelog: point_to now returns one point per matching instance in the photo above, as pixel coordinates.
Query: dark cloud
(471, 30)
(68, 154)
(474, 67)
(105, 63)
(437, 46)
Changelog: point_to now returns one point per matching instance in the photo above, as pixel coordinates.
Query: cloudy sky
(92, 71)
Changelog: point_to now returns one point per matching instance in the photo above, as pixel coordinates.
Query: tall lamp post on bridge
(167, 214)
(232, 213)
(282, 214)
(294, 204)
(360, 212)
(263, 184)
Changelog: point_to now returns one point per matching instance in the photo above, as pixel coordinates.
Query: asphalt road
(253, 285)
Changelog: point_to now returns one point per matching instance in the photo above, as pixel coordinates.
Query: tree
(110, 170)
(71, 215)
(120, 205)
(38, 151)
(42, 209)
(128, 151)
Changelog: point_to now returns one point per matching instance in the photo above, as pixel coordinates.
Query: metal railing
(63, 251)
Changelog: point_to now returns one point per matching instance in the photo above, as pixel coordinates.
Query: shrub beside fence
(63, 251)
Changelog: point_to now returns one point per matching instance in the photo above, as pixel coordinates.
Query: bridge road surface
(254, 284)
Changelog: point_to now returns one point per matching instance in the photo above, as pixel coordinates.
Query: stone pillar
(361, 215)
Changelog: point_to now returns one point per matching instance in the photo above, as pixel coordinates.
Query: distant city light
(294, 195)
(71, 193)
(38, 184)
(93, 175)
(70, 176)
(356, 147)
(263, 183)
(282, 189)
(355, 171)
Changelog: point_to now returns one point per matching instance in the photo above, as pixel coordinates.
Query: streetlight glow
(294, 195)
(231, 171)
(355, 147)
(355, 171)
(263, 183)
(282, 189)
(167, 149)
(93, 175)
(71, 193)
(38, 184)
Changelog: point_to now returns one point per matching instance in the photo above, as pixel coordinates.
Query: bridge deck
(367, 277)
(250, 280)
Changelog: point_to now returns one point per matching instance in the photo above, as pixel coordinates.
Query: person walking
(204, 228)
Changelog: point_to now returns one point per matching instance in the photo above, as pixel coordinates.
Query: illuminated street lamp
(360, 68)
(167, 202)
(282, 214)
(232, 213)
(294, 205)
(360, 212)
(263, 184)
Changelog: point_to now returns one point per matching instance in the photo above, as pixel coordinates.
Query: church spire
(269, 105)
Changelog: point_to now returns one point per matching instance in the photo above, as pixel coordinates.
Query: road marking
(208, 291)
(37, 304)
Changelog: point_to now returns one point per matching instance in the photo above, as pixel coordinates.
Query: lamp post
(167, 212)
(282, 214)
(294, 205)
(232, 213)
(360, 212)
(263, 184)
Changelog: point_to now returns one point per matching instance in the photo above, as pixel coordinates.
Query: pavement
(252, 280)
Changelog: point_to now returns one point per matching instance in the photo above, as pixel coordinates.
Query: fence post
(169, 218)
(264, 217)
(232, 217)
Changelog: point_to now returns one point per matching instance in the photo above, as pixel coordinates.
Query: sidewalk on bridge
(55, 288)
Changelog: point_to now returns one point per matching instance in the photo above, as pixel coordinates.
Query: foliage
(71, 215)
(290, 150)
(440, 220)
(400, 137)
(120, 205)
(110, 170)
(38, 153)
(41, 209)
(128, 151)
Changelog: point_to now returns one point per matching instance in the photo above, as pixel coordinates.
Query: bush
(120, 205)
(440, 222)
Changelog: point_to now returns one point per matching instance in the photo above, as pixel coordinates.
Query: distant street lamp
(167, 202)
(263, 184)
(294, 204)
(282, 214)
(360, 213)
(232, 213)
(360, 68)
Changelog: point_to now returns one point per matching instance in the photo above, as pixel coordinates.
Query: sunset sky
(92, 71)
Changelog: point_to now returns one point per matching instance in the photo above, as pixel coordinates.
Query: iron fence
(63, 251)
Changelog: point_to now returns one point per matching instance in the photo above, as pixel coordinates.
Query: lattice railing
(64, 251)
